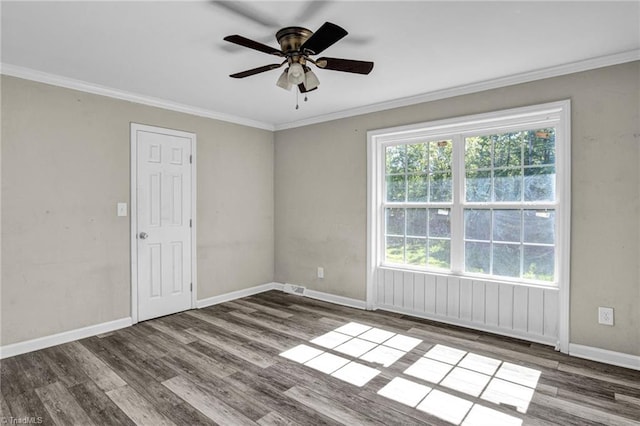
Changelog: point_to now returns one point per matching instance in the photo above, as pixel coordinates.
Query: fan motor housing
(291, 38)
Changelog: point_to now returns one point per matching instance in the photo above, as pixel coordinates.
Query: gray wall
(320, 180)
(65, 165)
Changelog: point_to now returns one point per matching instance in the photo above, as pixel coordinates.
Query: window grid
(522, 243)
(428, 171)
(459, 204)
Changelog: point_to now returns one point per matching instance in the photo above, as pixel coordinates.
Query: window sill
(467, 276)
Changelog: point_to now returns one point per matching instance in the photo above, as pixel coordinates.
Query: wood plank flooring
(223, 365)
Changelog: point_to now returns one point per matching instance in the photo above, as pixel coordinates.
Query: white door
(163, 220)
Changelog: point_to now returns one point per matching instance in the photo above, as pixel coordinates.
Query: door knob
(143, 235)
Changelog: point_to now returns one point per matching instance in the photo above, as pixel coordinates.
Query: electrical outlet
(605, 316)
(320, 272)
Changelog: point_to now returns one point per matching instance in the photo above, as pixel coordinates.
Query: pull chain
(297, 95)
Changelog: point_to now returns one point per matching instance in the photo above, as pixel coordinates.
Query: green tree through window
(508, 216)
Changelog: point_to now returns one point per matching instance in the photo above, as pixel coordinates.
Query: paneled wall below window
(517, 310)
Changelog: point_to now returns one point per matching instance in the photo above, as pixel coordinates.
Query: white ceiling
(174, 52)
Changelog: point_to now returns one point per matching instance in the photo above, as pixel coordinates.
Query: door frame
(133, 210)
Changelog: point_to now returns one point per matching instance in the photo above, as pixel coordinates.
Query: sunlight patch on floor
(331, 339)
(355, 347)
(446, 407)
(358, 341)
(483, 416)
(383, 355)
(502, 392)
(404, 391)
(326, 362)
(429, 370)
(301, 353)
(499, 382)
(356, 374)
(502, 383)
(466, 381)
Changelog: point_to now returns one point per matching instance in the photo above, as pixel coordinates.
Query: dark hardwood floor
(252, 361)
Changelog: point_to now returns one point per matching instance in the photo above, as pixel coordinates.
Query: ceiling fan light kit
(283, 81)
(296, 73)
(310, 80)
(297, 45)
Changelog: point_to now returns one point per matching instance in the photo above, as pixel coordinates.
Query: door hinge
(191, 286)
(190, 223)
(191, 159)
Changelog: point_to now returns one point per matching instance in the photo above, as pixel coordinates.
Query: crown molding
(556, 71)
(84, 86)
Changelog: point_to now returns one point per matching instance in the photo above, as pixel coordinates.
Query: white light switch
(122, 209)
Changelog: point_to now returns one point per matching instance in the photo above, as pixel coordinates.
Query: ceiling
(173, 52)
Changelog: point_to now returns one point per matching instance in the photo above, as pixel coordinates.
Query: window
(419, 191)
(476, 196)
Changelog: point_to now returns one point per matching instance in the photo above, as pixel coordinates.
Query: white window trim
(498, 120)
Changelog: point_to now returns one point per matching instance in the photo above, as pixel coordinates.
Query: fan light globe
(296, 73)
(283, 81)
(310, 80)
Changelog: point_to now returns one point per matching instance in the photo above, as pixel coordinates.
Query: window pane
(440, 188)
(540, 184)
(417, 187)
(507, 184)
(417, 158)
(440, 156)
(506, 260)
(417, 251)
(506, 225)
(538, 263)
(478, 186)
(507, 149)
(395, 250)
(477, 153)
(477, 225)
(395, 188)
(395, 222)
(395, 159)
(508, 200)
(417, 222)
(440, 253)
(539, 226)
(440, 223)
(540, 147)
(477, 257)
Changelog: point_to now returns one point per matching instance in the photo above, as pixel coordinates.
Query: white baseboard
(606, 356)
(92, 330)
(338, 300)
(64, 337)
(545, 340)
(587, 352)
(227, 297)
(328, 297)
(313, 294)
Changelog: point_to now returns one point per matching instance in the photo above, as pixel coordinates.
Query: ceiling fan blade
(345, 65)
(326, 36)
(251, 44)
(255, 71)
(241, 9)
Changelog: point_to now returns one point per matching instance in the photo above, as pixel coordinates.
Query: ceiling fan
(297, 45)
